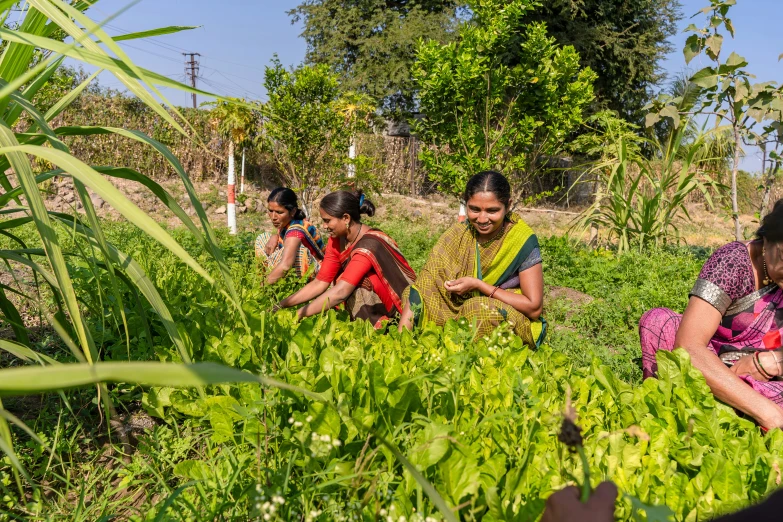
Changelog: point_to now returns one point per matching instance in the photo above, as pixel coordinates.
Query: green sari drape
(458, 254)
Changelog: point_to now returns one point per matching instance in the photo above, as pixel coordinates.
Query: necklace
(359, 233)
(497, 235)
(766, 279)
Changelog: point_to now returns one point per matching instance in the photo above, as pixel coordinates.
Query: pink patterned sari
(751, 320)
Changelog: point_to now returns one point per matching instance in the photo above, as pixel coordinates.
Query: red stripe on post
(231, 194)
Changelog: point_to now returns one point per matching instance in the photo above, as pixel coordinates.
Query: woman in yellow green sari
(487, 270)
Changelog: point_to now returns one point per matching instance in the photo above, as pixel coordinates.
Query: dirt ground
(706, 228)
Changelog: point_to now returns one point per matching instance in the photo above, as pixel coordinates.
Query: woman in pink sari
(731, 326)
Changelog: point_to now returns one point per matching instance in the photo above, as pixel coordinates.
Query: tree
(238, 122)
(503, 96)
(623, 41)
(727, 92)
(371, 44)
(308, 127)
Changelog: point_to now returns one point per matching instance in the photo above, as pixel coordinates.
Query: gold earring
(766, 280)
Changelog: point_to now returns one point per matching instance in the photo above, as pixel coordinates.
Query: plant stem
(587, 489)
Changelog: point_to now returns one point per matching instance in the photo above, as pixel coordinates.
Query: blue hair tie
(361, 200)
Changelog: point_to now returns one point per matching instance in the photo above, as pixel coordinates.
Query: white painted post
(352, 156)
(231, 209)
(462, 213)
(242, 179)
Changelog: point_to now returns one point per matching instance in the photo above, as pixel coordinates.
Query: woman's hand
(462, 286)
(564, 505)
(746, 366)
(271, 245)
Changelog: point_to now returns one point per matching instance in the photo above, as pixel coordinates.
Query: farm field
(154, 368)
(478, 417)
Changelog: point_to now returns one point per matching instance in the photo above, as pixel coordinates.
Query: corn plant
(640, 200)
(30, 56)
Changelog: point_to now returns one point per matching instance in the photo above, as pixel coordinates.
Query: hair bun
(365, 205)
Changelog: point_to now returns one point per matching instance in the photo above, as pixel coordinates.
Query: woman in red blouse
(366, 266)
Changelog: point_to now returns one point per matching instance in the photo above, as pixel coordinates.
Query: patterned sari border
(744, 302)
(712, 293)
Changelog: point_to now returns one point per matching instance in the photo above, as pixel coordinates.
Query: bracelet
(762, 365)
(759, 368)
(493, 292)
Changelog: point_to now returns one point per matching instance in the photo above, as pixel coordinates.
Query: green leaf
(461, 476)
(154, 32)
(651, 513)
(736, 61)
(194, 470)
(706, 78)
(714, 43)
(670, 111)
(651, 119)
(692, 47)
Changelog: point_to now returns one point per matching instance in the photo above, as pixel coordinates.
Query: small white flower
(290, 420)
(325, 438)
(267, 516)
(258, 506)
(336, 443)
(382, 512)
(313, 436)
(298, 424)
(309, 418)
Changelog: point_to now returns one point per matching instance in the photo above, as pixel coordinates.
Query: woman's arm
(329, 299)
(530, 302)
(699, 323)
(290, 250)
(271, 245)
(309, 291)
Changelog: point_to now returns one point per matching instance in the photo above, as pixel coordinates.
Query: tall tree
(503, 96)
(623, 41)
(371, 44)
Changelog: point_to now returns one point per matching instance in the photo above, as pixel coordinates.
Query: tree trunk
(769, 182)
(734, 170)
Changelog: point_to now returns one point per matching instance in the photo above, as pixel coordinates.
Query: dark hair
(771, 227)
(342, 202)
(489, 181)
(286, 198)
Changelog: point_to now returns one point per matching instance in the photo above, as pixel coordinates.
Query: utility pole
(191, 70)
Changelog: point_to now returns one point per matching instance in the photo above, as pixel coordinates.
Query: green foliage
(503, 96)
(236, 120)
(727, 91)
(309, 126)
(30, 58)
(622, 40)
(372, 45)
(639, 200)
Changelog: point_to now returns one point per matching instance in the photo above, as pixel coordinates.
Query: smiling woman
(487, 271)
(366, 266)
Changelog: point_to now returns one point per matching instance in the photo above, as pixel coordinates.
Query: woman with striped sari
(487, 270)
(362, 267)
(297, 243)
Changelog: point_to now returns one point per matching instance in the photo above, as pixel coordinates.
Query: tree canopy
(371, 44)
(623, 41)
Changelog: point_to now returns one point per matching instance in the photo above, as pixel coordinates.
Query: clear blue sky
(238, 38)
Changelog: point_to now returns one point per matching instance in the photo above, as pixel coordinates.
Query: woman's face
(774, 258)
(335, 226)
(279, 215)
(486, 213)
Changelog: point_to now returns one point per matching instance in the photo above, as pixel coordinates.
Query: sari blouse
(751, 319)
(307, 233)
(359, 266)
